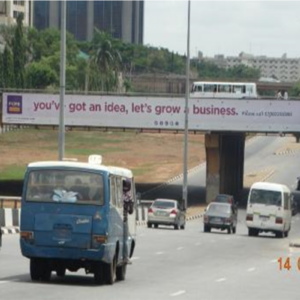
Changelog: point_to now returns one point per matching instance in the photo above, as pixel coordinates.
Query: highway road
(185, 264)
(170, 264)
(259, 155)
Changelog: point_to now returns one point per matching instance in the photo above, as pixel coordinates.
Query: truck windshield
(265, 197)
(65, 186)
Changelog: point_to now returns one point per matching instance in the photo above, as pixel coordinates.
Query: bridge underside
(225, 164)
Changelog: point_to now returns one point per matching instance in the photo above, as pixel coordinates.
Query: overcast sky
(269, 28)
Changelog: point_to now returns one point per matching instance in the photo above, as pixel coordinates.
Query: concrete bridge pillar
(225, 164)
(212, 147)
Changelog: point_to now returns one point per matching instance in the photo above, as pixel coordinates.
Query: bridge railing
(10, 202)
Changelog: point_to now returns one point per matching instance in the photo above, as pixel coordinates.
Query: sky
(269, 28)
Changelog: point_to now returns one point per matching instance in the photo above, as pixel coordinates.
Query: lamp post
(186, 120)
(61, 134)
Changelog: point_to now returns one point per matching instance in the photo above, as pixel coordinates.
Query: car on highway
(224, 198)
(166, 212)
(220, 216)
(294, 206)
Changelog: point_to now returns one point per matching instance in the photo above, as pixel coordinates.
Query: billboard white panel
(153, 112)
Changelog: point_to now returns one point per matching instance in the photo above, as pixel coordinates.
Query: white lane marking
(178, 293)
(159, 253)
(4, 281)
(251, 269)
(273, 261)
(179, 248)
(134, 258)
(221, 279)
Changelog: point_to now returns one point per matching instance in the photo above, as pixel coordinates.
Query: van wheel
(182, 226)
(234, 230)
(98, 273)
(149, 225)
(155, 225)
(39, 270)
(121, 272)
(110, 271)
(61, 272)
(176, 227)
(286, 234)
(229, 230)
(35, 269)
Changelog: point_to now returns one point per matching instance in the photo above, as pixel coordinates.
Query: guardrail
(10, 202)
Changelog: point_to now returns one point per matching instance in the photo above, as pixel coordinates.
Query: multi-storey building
(122, 19)
(281, 68)
(9, 11)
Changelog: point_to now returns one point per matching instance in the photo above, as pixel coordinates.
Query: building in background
(123, 19)
(282, 69)
(9, 11)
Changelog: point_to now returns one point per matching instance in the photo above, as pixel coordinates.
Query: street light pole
(61, 135)
(186, 121)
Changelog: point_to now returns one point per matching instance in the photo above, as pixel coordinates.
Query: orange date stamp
(286, 264)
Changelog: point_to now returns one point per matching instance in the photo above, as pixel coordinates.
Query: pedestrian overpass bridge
(225, 123)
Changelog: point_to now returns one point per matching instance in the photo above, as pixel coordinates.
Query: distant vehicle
(220, 216)
(232, 90)
(166, 212)
(269, 209)
(294, 206)
(73, 217)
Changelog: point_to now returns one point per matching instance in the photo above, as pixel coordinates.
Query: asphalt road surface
(172, 264)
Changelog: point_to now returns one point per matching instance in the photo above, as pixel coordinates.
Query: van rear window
(65, 186)
(265, 197)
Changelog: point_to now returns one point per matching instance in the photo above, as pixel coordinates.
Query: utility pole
(186, 121)
(61, 135)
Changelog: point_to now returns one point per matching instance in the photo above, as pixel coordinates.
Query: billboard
(153, 112)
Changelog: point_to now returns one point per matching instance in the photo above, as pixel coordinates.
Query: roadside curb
(14, 230)
(10, 230)
(287, 152)
(295, 244)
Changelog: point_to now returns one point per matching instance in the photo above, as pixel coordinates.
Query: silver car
(166, 212)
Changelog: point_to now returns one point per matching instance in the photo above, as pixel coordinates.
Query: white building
(280, 68)
(9, 11)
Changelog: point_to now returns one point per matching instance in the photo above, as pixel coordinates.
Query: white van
(269, 209)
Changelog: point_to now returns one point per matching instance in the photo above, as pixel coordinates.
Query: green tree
(40, 76)
(19, 53)
(107, 58)
(1, 71)
(8, 66)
